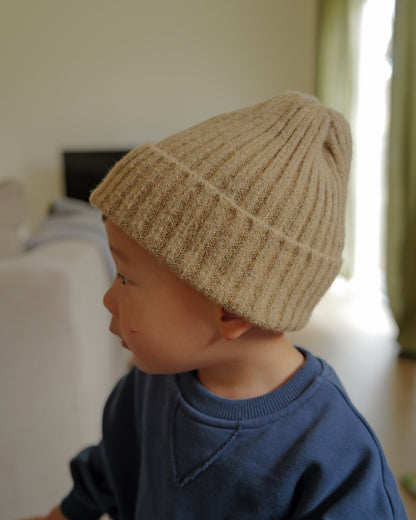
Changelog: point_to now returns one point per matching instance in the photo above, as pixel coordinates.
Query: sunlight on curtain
(401, 244)
(374, 74)
(337, 55)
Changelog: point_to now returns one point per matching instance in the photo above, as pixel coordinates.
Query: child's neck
(258, 364)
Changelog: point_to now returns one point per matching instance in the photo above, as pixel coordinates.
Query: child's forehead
(120, 243)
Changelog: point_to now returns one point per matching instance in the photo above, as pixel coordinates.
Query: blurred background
(96, 76)
(100, 74)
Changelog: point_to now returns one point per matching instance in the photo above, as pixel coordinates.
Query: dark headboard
(84, 170)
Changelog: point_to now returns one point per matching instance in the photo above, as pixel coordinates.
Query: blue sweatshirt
(173, 450)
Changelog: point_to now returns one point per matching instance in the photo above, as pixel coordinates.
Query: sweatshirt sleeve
(91, 495)
(94, 491)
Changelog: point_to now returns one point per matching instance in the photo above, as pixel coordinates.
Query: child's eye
(123, 279)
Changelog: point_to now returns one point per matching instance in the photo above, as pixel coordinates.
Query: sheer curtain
(336, 82)
(337, 67)
(401, 226)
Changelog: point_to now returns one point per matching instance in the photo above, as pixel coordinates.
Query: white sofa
(58, 362)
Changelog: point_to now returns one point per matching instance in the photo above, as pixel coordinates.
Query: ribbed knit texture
(247, 207)
(263, 406)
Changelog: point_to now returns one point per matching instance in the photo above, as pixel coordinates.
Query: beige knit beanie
(247, 207)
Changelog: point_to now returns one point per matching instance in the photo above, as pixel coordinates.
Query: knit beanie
(246, 207)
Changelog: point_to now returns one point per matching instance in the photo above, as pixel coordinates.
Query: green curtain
(336, 82)
(401, 225)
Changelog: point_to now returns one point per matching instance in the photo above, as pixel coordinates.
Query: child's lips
(124, 344)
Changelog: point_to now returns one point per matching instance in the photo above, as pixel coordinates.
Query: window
(371, 141)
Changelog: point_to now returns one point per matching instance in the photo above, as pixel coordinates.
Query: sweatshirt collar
(209, 404)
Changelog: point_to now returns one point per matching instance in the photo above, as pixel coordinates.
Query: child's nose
(109, 301)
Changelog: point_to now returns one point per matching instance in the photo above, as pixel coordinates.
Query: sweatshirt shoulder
(344, 430)
(335, 404)
(136, 392)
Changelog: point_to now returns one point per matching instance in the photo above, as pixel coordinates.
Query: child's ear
(232, 326)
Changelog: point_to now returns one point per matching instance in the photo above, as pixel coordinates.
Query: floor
(355, 333)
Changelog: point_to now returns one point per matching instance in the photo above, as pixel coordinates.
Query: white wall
(100, 73)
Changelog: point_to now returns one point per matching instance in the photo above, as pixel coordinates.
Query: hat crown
(275, 160)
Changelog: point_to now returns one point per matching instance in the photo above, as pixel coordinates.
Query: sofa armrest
(58, 362)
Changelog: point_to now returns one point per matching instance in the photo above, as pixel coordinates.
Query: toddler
(225, 236)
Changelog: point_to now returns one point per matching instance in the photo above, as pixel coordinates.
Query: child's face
(168, 326)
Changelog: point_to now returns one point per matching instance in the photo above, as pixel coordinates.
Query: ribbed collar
(213, 406)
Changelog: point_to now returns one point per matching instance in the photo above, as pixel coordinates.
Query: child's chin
(152, 370)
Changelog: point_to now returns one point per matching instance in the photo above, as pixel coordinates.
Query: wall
(98, 73)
